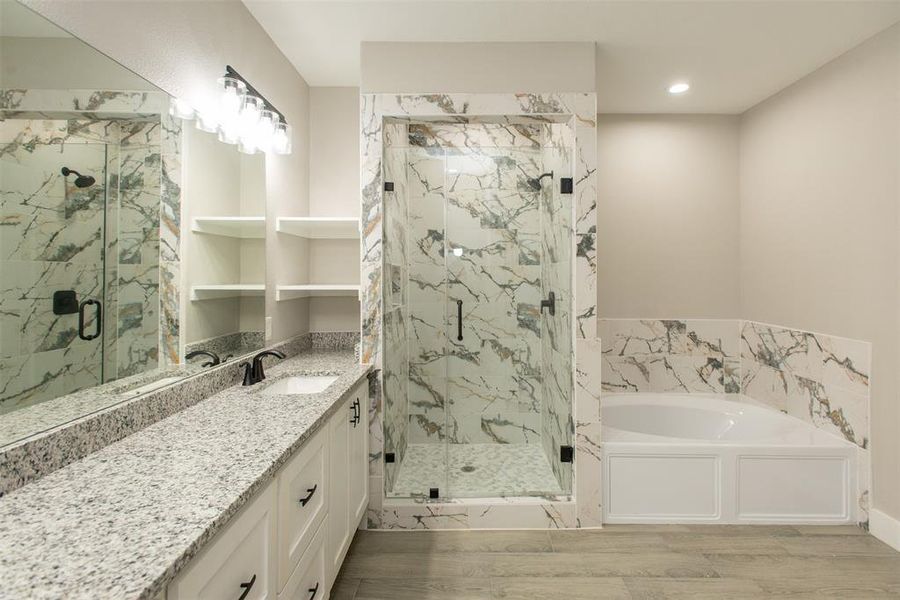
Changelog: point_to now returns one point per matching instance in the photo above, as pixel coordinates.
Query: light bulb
(207, 121)
(232, 92)
(281, 139)
(181, 109)
(679, 88)
(265, 130)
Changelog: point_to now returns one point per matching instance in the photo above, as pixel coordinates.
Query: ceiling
(735, 54)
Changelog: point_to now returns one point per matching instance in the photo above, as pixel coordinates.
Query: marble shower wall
(475, 238)
(671, 355)
(57, 236)
(396, 375)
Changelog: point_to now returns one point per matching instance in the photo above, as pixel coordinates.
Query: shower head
(535, 182)
(81, 181)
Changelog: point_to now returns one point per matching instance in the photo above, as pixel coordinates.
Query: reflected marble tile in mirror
(95, 290)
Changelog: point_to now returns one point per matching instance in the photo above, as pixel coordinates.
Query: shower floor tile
(476, 471)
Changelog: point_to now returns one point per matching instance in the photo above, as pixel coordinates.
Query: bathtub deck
(621, 561)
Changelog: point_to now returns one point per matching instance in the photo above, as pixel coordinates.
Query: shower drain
(467, 469)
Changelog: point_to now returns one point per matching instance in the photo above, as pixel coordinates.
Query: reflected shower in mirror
(95, 280)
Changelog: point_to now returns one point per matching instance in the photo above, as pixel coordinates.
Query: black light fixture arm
(230, 72)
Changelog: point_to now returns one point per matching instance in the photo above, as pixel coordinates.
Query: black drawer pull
(247, 587)
(309, 495)
(313, 591)
(356, 412)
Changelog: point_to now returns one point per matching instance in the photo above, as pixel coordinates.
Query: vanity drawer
(308, 581)
(238, 563)
(302, 502)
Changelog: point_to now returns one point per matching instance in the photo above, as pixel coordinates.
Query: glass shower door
(52, 241)
(495, 287)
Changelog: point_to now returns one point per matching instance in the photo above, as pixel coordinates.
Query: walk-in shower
(477, 309)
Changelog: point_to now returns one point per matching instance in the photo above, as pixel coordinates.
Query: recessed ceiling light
(679, 88)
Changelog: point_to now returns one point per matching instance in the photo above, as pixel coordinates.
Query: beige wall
(220, 181)
(183, 47)
(820, 164)
(668, 211)
(64, 63)
(334, 192)
(477, 67)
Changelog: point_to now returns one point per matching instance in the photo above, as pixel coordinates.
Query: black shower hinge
(434, 493)
(389, 457)
(389, 186)
(566, 454)
(566, 185)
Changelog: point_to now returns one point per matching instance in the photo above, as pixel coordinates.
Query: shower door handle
(459, 320)
(98, 324)
(549, 303)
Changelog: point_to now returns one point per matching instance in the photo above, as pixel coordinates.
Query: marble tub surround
(818, 378)
(426, 114)
(101, 416)
(671, 355)
(122, 522)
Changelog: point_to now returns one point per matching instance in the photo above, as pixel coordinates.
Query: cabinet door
(309, 582)
(302, 503)
(359, 454)
(339, 533)
(239, 563)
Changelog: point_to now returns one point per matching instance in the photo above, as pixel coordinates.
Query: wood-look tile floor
(624, 561)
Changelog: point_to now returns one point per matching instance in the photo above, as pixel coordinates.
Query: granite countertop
(122, 521)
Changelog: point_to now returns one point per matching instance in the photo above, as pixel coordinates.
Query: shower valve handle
(550, 303)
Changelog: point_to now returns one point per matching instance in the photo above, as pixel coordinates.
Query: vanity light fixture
(679, 88)
(243, 117)
(181, 109)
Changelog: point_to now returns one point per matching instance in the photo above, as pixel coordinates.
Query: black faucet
(254, 373)
(215, 357)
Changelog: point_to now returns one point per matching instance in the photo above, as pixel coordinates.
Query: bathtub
(688, 458)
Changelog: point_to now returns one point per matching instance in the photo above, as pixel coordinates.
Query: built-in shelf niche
(308, 290)
(236, 227)
(226, 290)
(319, 228)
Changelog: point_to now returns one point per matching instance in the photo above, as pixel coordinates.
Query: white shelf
(290, 292)
(236, 227)
(319, 228)
(231, 290)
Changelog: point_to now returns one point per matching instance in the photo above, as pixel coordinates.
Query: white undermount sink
(303, 384)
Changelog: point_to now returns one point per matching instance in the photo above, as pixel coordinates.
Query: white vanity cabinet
(348, 476)
(288, 542)
(239, 563)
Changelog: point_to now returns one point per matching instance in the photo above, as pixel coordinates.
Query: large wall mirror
(132, 249)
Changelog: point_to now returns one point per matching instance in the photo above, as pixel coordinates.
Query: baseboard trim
(885, 528)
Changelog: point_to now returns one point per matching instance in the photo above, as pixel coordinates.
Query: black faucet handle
(248, 373)
(258, 373)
